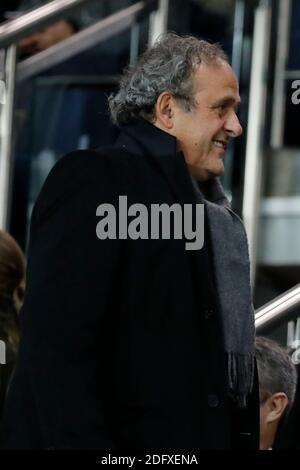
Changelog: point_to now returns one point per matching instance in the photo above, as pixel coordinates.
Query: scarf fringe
(240, 376)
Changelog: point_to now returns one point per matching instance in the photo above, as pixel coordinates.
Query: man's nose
(233, 126)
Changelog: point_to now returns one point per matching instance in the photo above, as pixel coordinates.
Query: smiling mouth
(222, 144)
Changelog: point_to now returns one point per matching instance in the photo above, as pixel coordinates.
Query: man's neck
(267, 440)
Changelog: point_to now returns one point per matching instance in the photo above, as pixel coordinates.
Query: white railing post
(6, 133)
(256, 123)
(158, 21)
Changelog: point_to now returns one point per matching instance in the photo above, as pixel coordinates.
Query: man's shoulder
(82, 171)
(104, 172)
(85, 162)
(95, 165)
(85, 165)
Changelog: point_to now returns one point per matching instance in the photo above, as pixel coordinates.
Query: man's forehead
(218, 78)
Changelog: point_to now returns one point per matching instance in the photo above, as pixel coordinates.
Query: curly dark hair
(276, 370)
(167, 66)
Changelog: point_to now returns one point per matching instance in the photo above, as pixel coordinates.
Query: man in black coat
(142, 338)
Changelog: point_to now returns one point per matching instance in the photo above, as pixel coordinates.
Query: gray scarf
(232, 276)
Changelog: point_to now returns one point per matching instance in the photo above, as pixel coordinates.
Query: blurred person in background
(12, 285)
(43, 39)
(37, 140)
(61, 29)
(277, 386)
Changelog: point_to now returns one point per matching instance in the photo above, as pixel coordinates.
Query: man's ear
(277, 403)
(164, 110)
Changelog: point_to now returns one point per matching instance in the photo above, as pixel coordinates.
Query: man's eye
(221, 108)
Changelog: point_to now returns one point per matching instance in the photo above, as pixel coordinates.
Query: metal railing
(277, 310)
(83, 40)
(255, 130)
(12, 31)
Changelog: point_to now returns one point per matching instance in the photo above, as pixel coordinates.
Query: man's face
(204, 132)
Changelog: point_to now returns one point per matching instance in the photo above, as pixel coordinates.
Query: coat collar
(145, 139)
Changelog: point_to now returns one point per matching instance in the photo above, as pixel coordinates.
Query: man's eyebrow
(227, 100)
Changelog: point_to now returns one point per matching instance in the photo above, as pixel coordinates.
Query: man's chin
(215, 172)
(205, 174)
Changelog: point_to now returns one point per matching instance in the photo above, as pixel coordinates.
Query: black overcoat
(122, 346)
